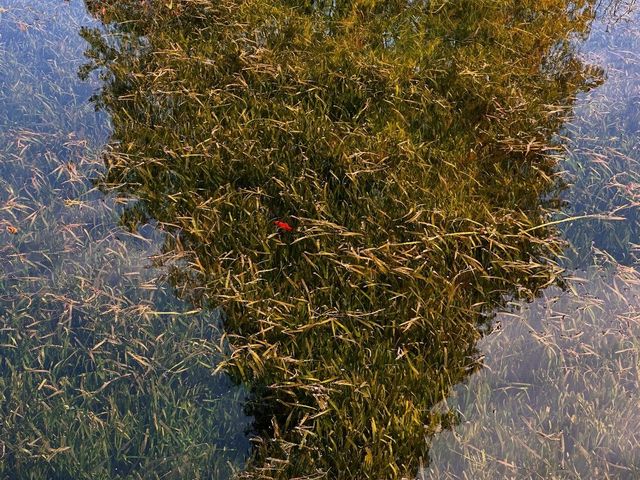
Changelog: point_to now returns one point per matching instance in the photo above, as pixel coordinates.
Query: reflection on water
(94, 342)
(405, 142)
(407, 145)
(602, 155)
(559, 393)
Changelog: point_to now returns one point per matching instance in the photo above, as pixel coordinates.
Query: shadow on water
(104, 371)
(409, 145)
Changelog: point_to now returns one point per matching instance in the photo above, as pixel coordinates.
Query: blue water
(71, 272)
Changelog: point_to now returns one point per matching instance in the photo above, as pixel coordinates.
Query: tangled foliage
(407, 144)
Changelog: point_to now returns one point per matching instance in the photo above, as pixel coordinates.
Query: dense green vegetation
(407, 143)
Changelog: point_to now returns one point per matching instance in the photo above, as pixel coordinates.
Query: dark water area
(454, 294)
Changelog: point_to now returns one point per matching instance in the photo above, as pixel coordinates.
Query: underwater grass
(94, 344)
(412, 148)
(601, 164)
(557, 395)
(409, 147)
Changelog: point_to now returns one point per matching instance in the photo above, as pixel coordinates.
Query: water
(93, 338)
(120, 217)
(559, 389)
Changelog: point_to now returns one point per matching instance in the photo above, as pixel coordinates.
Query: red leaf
(283, 226)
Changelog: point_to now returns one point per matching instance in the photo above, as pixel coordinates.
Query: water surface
(411, 146)
(558, 392)
(94, 341)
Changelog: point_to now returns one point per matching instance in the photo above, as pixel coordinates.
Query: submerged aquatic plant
(412, 141)
(104, 373)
